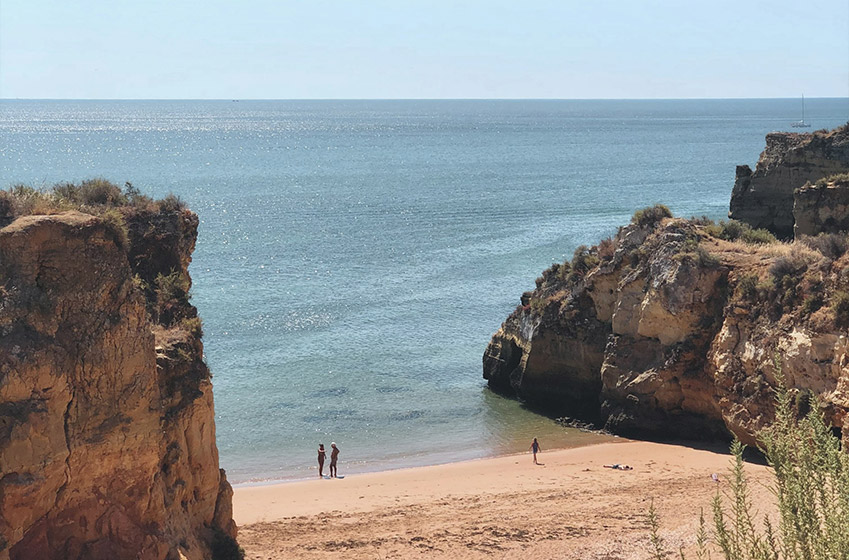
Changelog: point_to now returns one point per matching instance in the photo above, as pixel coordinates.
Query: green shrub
(583, 261)
(757, 237)
(812, 303)
(192, 325)
(811, 486)
(114, 221)
(139, 283)
(173, 288)
(747, 287)
(92, 192)
(651, 216)
(563, 271)
(841, 309)
(732, 230)
(705, 259)
(538, 305)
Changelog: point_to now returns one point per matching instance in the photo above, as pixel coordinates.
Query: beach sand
(570, 507)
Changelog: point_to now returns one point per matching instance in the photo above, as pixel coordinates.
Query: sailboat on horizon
(801, 123)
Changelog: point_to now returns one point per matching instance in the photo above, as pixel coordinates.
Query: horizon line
(410, 98)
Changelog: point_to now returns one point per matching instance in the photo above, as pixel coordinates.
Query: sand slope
(506, 507)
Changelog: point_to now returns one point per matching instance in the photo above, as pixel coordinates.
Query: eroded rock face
(674, 333)
(821, 208)
(764, 198)
(107, 434)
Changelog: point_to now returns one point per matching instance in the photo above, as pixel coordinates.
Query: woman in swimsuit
(321, 460)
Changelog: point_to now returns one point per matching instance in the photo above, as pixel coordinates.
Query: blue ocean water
(355, 257)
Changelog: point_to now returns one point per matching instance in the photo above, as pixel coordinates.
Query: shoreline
(571, 506)
(592, 438)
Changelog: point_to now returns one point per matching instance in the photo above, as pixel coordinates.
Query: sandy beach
(569, 507)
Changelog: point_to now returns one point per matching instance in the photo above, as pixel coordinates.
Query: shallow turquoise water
(356, 256)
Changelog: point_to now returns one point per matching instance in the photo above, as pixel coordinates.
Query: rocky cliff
(822, 207)
(673, 328)
(107, 432)
(764, 198)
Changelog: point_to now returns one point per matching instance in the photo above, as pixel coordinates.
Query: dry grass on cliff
(93, 196)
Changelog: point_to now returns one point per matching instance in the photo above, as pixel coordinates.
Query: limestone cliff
(671, 329)
(764, 198)
(822, 207)
(107, 433)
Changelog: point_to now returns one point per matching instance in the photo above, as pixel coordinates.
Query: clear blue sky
(280, 49)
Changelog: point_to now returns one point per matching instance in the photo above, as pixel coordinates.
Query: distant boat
(801, 122)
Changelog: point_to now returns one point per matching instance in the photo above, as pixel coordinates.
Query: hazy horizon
(228, 99)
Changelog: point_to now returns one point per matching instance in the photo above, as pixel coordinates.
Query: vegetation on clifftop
(803, 281)
(92, 196)
(144, 227)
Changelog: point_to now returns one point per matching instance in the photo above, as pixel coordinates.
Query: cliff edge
(674, 328)
(764, 198)
(107, 432)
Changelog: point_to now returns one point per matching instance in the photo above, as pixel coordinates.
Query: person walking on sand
(321, 455)
(536, 449)
(334, 455)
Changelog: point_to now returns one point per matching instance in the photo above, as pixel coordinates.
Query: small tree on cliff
(811, 487)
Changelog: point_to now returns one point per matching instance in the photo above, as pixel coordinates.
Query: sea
(355, 257)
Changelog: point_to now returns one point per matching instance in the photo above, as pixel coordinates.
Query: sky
(405, 49)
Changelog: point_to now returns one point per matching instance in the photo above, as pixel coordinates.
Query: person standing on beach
(321, 455)
(536, 449)
(334, 455)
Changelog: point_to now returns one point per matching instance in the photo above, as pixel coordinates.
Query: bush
(172, 203)
(563, 271)
(786, 267)
(583, 261)
(841, 309)
(812, 303)
(192, 325)
(115, 223)
(757, 236)
(811, 485)
(705, 259)
(732, 230)
(173, 288)
(606, 249)
(93, 192)
(94, 196)
(651, 216)
(747, 286)
(138, 200)
(702, 221)
(538, 305)
(830, 245)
